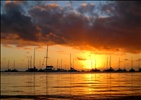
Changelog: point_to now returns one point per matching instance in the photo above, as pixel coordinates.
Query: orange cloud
(80, 58)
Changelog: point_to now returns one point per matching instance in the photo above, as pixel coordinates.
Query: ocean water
(70, 86)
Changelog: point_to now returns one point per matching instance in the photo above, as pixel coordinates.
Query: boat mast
(110, 61)
(31, 61)
(8, 64)
(73, 62)
(119, 63)
(14, 65)
(70, 61)
(107, 63)
(57, 64)
(139, 64)
(46, 55)
(28, 63)
(34, 58)
(132, 63)
(95, 63)
(61, 64)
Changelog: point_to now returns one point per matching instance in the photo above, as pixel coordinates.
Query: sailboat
(119, 69)
(124, 70)
(110, 68)
(132, 70)
(71, 68)
(8, 70)
(48, 68)
(34, 69)
(139, 67)
(14, 69)
(95, 69)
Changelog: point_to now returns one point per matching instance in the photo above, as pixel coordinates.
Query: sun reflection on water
(71, 84)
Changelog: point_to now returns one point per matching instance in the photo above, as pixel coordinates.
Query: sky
(89, 31)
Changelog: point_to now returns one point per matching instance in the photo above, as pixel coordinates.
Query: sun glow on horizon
(92, 61)
(80, 59)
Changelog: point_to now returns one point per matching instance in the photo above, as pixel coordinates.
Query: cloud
(87, 8)
(83, 28)
(126, 59)
(14, 22)
(80, 58)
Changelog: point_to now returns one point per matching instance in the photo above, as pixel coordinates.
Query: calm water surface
(71, 85)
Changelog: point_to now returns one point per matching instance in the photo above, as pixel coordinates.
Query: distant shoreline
(73, 72)
(38, 97)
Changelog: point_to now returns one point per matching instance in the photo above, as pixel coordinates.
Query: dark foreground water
(70, 86)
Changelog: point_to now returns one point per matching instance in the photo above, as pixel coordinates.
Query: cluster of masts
(71, 69)
(51, 69)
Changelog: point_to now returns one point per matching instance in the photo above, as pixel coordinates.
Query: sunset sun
(92, 61)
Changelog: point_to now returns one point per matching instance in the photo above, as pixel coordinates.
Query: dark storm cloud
(83, 28)
(14, 22)
(125, 25)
